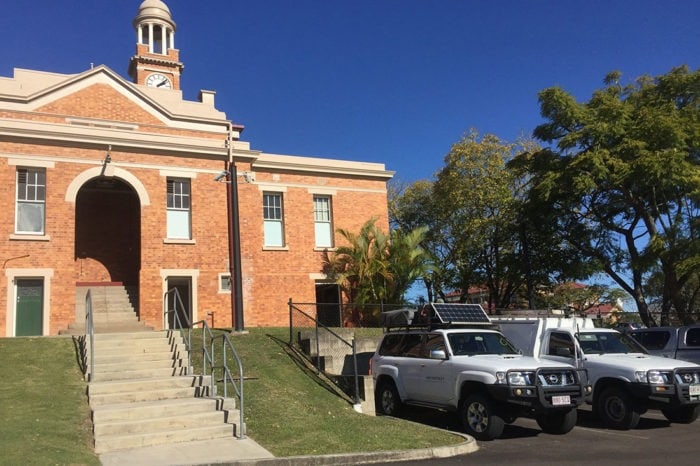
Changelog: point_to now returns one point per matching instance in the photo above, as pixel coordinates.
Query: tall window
(273, 219)
(178, 216)
(322, 221)
(30, 213)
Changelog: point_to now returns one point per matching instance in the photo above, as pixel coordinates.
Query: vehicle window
(468, 344)
(391, 345)
(652, 340)
(606, 342)
(692, 338)
(589, 343)
(401, 344)
(561, 344)
(412, 345)
(434, 342)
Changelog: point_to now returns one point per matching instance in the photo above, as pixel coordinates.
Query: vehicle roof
(442, 330)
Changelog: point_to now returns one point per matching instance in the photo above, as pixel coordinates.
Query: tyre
(616, 409)
(557, 422)
(479, 417)
(682, 414)
(387, 399)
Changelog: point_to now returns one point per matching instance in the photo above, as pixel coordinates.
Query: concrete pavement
(233, 451)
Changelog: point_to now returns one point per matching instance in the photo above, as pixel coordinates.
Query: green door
(30, 307)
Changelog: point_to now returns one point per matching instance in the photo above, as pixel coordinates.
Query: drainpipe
(234, 234)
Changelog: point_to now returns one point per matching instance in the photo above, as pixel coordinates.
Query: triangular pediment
(101, 101)
(100, 93)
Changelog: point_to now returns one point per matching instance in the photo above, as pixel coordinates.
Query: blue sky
(390, 81)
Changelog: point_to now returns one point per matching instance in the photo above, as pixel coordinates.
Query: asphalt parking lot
(655, 441)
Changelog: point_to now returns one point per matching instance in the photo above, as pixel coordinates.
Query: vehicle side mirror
(438, 354)
(561, 351)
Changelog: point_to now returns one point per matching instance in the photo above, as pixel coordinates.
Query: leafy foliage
(372, 267)
(621, 177)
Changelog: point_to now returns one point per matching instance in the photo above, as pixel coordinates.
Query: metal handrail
(208, 353)
(226, 343)
(90, 332)
(317, 324)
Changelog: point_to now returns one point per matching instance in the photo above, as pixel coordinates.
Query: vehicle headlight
(652, 377)
(519, 378)
(500, 377)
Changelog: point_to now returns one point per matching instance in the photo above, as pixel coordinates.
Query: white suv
(478, 373)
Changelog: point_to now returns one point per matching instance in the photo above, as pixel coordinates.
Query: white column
(163, 39)
(140, 34)
(150, 37)
(172, 38)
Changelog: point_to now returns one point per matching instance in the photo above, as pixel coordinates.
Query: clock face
(158, 80)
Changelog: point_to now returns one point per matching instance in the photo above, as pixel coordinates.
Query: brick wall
(119, 239)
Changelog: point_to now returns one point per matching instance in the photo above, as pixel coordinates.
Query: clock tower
(157, 61)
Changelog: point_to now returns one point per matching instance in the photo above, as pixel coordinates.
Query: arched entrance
(108, 234)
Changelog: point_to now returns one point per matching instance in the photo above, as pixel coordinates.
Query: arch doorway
(108, 233)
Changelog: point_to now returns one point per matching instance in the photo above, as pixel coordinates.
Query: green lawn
(44, 416)
(46, 419)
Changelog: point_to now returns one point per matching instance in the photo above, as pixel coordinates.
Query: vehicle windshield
(469, 344)
(608, 342)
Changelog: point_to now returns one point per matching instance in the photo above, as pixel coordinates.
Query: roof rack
(437, 315)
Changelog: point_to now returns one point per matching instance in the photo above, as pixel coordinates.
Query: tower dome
(154, 11)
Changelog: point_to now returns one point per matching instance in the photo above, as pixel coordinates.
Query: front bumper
(554, 388)
(684, 391)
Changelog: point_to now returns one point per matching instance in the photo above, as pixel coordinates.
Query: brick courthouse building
(111, 182)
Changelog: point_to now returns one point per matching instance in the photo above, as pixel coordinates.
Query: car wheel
(479, 417)
(616, 409)
(557, 422)
(388, 401)
(682, 414)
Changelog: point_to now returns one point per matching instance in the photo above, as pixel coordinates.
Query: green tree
(479, 231)
(622, 178)
(412, 207)
(373, 268)
(408, 262)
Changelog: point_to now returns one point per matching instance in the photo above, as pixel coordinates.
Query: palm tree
(373, 268)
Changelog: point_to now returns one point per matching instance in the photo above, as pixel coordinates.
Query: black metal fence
(325, 334)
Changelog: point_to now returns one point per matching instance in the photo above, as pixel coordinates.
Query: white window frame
(273, 220)
(178, 208)
(30, 197)
(223, 279)
(323, 221)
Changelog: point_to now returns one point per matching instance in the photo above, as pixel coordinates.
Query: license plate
(695, 390)
(564, 400)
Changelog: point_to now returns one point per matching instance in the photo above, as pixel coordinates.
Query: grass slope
(290, 413)
(46, 419)
(44, 415)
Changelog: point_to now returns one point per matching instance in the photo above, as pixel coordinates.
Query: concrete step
(164, 422)
(136, 335)
(131, 363)
(122, 442)
(137, 358)
(135, 385)
(150, 409)
(98, 399)
(103, 375)
(134, 345)
(78, 328)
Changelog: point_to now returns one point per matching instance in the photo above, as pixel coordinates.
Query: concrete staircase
(113, 307)
(143, 394)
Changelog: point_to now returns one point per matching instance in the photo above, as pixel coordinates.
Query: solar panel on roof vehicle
(457, 313)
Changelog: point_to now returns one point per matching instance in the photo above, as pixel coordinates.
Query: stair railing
(208, 352)
(90, 333)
